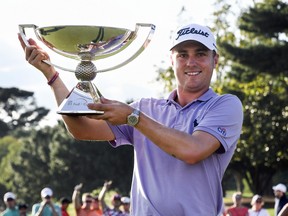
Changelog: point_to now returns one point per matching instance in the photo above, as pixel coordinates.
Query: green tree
(18, 109)
(9, 150)
(51, 157)
(257, 73)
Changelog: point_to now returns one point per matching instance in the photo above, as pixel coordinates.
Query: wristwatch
(133, 118)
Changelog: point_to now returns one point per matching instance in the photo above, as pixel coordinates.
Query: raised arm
(80, 127)
(189, 148)
(102, 194)
(76, 197)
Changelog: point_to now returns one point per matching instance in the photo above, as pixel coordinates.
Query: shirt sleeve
(223, 119)
(123, 133)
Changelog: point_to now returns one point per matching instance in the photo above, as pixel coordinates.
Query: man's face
(278, 194)
(126, 206)
(10, 203)
(65, 205)
(47, 199)
(193, 66)
(87, 202)
(95, 203)
(117, 202)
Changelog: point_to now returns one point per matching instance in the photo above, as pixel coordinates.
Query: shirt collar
(205, 97)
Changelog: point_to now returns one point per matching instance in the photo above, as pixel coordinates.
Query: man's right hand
(78, 187)
(107, 184)
(35, 55)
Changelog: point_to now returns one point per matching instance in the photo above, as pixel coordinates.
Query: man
(65, 202)
(116, 202)
(182, 144)
(126, 205)
(46, 207)
(280, 197)
(10, 202)
(257, 207)
(96, 205)
(237, 209)
(23, 208)
(86, 208)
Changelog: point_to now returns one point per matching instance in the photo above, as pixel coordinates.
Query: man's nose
(191, 61)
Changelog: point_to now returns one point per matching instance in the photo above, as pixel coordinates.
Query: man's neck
(183, 97)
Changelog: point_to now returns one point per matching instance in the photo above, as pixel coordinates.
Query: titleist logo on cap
(188, 30)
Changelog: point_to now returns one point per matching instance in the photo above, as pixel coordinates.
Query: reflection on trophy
(87, 44)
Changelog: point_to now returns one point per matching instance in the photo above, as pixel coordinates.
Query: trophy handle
(24, 38)
(139, 51)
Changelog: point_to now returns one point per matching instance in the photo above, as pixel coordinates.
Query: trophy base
(75, 104)
(79, 113)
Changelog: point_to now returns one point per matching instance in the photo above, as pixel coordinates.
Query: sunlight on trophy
(87, 44)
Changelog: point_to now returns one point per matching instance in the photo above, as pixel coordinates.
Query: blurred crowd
(257, 204)
(89, 205)
(83, 205)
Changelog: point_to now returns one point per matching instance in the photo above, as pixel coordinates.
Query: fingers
(33, 52)
(115, 112)
(35, 57)
(104, 104)
(21, 41)
(30, 41)
(106, 101)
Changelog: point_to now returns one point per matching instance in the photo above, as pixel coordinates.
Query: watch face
(133, 119)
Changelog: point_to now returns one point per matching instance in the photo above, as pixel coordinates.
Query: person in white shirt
(257, 207)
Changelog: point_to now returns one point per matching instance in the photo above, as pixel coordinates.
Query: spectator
(126, 205)
(10, 202)
(280, 197)
(23, 209)
(96, 205)
(116, 202)
(85, 208)
(65, 202)
(257, 207)
(46, 207)
(237, 209)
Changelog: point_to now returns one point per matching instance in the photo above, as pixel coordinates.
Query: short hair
(237, 196)
(86, 195)
(64, 200)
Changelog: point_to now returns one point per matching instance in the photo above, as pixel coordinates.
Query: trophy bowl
(86, 44)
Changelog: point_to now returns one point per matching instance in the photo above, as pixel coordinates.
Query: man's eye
(182, 55)
(201, 54)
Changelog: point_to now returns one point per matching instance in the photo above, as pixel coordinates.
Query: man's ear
(216, 58)
(171, 59)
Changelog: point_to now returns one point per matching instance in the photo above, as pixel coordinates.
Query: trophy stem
(76, 102)
(94, 92)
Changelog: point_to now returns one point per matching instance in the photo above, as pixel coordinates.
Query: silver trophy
(87, 44)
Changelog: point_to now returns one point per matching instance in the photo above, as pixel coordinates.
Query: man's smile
(195, 73)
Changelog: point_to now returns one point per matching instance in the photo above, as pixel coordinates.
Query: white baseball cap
(255, 198)
(46, 192)
(194, 32)
(125, 200)
(280, 187)
(9, 195)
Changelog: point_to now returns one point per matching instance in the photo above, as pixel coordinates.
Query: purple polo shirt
(166, 186)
